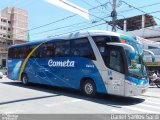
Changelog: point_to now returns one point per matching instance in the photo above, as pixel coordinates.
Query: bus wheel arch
(88, 87)
(24, 79)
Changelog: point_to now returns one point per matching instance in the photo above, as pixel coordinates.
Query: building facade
(145, 28)
(13, 30)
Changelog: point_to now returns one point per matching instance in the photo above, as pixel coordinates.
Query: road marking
(64, 102)
(140, 109)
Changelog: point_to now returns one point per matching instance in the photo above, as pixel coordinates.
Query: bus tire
(24, 79)
(88, 88)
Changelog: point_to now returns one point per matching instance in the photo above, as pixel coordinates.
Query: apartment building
(13, 30)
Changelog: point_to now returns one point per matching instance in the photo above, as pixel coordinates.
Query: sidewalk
(152, 91)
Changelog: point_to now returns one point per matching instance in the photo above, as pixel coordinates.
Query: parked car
(1, 75)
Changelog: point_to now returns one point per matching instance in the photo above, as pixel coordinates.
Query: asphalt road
(38, 99)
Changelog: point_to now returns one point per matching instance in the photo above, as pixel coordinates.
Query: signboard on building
(148, 60)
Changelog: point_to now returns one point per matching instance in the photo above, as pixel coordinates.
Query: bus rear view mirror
(127, 47)
(151, 53)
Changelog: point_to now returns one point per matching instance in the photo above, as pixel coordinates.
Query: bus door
(115, 71)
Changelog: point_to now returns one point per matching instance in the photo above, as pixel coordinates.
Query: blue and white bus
(91, 61)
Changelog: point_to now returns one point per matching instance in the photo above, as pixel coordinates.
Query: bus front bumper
(132, 89)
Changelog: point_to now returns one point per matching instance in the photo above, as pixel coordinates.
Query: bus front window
(136, 65)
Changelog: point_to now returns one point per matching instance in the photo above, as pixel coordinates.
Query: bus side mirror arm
(151, 53)
(124, 45)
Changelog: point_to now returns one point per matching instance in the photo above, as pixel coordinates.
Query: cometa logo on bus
(66, 63)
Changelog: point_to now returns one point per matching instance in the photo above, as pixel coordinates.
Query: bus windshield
(136, 65)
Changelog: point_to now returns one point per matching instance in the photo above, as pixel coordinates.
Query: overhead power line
(79, 29)
(62, 20)
(76, 24)
(102, 4)
(59, 28)
(138, 9)
(87, 3)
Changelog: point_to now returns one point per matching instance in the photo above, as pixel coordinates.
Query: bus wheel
(89, 88)
(24, 79)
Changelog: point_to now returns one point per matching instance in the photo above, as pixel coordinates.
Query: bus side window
(15, 53)
(101, 40)
(29, 49)
(82, 48)
(115, 39)
(46, 50)
(62, 48)
(101, 44)
(10, 53)
(21, 52)
(115, 61)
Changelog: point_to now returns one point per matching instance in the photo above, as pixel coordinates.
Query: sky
(41, 13)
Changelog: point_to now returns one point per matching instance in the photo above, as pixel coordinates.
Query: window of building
(4, 28)
(3, 20)
(9, 22)
(82, 48)
(9, 29)
(9, 36)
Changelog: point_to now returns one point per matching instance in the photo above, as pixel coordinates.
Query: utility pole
(114, 15)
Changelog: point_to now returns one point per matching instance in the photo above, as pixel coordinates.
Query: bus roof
(71, 36)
